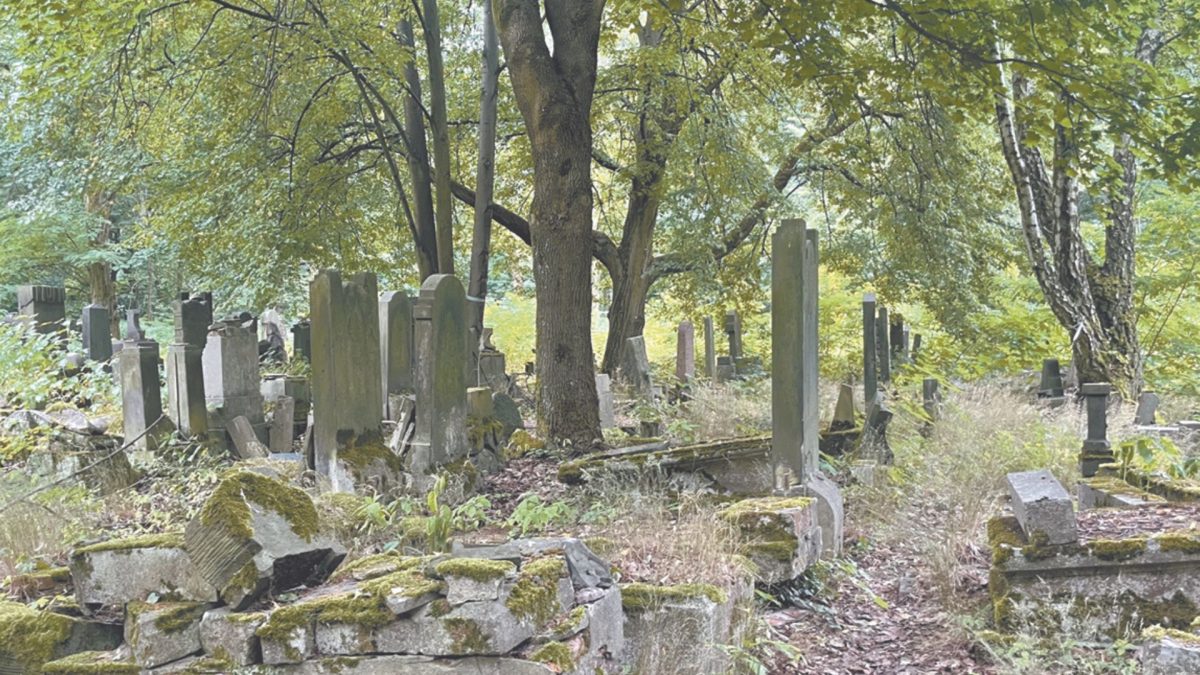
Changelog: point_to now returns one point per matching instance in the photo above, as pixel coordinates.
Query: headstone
(133, 326)
(283, 425)
(345, 367)
(1051, 385)
(1096, 449)
(193, 316)
(302, 340)
(916, 347)
(844, 414)
(726, 371)
(931, 398)
(635, 367)
(710, 349)
(395, 345)
(883, 348)
(1042, 507)
(97, 340)
(46, 305)
(685, 352)
(874, 438)
(789, 407)
(186, 405)
(870, 370)
(897, 339)
(905, 336)
(230, 366)
(245, 441)
(810, 349)
(1147, 408)
(141, 397)
(608, 419)
(442, 352)
(733, 330)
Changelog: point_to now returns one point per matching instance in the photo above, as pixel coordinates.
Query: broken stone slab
(117, 662)
(475, 579)
(232, 635)
(737, 465)
(587, 570)
(591, 640)
(679, 629)
(1169, 651)
(1103, 492)
(1042, 507)
(245, 441)
(256, 534)
(781, 533)
(158, 634)
(417, 665)
(124, 570)
(29, 638)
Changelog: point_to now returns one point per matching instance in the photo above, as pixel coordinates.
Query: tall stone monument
(883, 347)
(396, 346)
(442, 354)
(141, 396)
(733, 330)
(1096, 448)
(230, 365)
(685, 352)
(710, 349)
(186, 404)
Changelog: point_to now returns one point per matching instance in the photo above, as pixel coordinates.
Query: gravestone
(97, 339)
(395, 347)
(1147, 408)
(442, 352)
(186, 403)
(245, 439)
(870, 351)
(789, 407)
(916, 348)
(809, 348)
(1051, 385)
(283, 425)
(883, 348)
(141, 397)
(133, 326)
(230, 366)
(733, 330)
(302, 340)
(608, 418)
(710, 349)
(491, 366)
(931, 399)
(898, 338)
(1042, 507)
(1096, 448)
(874, 439)
(193, 316)
(844, 414)
(345, 368)
(685, 352)
(47, 306)
(635, 367)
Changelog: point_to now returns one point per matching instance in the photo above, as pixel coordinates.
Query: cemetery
(535, 337)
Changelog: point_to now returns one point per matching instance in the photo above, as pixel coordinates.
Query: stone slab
(1042, 507)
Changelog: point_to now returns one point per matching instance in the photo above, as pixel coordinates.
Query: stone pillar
(345, 367)
(395, 346)
(302, 340)
(608, 418)
(141, 397)
(440, 316)
(931, 398)
(47, 306)
(870, 371)
(685, 352)
(1096, 449)
(635, 367)
(883, 347)
(97, 338)
(710, 350)
(810, 350)
(230, 367)
(133, 326)
(916, 348)
(193, 316)
(788, 413)
(733, 330)
(1051, 385)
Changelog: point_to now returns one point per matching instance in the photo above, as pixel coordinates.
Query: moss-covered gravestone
(442, 358)
(396, 346)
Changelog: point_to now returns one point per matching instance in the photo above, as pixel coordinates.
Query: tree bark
(441, 137)
(485, 175)
(554, 94)
(426, 241)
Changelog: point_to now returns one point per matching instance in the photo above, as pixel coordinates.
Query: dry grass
(726, 409)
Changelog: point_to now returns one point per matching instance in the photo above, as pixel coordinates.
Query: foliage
(532, 516)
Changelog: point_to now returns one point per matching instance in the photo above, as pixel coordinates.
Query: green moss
(30, 637)
(168, 540)
(367, 450)
(210, 664)
(178, 617)
(475, 569)
(522, 443)
(535, 595)
(480, 429)
(91, 663)
(556, 654)
(228, 506)
(377, 565)
(464, 470)
(639, 597)
(246, 617)
(763, 506)
(243, 583)
(467, 636)
(1180, 542)
(439, 608)
(1117, 550)
(602, 546)
(782, 550)
(1156, 633)
(571, 472)
(1115, 486)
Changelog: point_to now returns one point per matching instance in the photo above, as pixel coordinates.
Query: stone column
(870, 371)
(608, 418)
(193, 316)
(47, 306)
(440, 315)
(97, 340)
(710, 350)
(141, 397)
(186, 404)
(788, 413)
(1096, 448)
(345, 367)
(810, 350)
(395, 346)
(733, 330)
(883, 346)
(302, 340)
(685, 352)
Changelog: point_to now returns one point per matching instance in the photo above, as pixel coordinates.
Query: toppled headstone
(123, 570)
(781, 534)
(1042, 507)
(244, 439)
(30, 638)
(158, 634)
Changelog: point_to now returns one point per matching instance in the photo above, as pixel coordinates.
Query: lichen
(228, 506)
(535, 595)
(1180, 542)
(1117, 550)
(522, 443)
(91, 663)
(475, 569)
(167, 540)
(439, 608)
(641, 597)
(467, 637)
(556, 654)
(178, 617)
(1156, 633)
(782, 550)
(480, 429)
(464, 471)
(243, 583)
(29, 636)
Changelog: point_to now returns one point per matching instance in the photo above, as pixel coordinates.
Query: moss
(210, 664)
(763, 506)
(480, 429)
(1002, 599)
(782, 550)
(639, 597)
(246, 617)
(602, 546)
(535, 595)
(571, 472)
(243, 583)
(1115, 486)
(570, 624)
(522, 443)
(91, 663)
(1180, 542)
(439, 608)
(1117, 550)
(228, 506)
(168, 540)
(367, 450)
(464, 470)
(556, 654)
(467, 636)
(1004, 535)
(29, 636)
(475, 569)
(1156, 633)
(377, 565)
(178, 617)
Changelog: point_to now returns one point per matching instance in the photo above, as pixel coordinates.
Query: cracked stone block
(1170, 652)
(417, 665)
(782, 535)
(1042, 507)
(297, 645)
(161, 633)
(123, 570)
(474, 628)
(473, 580)
(679, 629)
(232, 635)
(57, 636)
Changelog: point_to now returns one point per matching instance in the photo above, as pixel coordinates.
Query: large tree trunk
(554, 93)
(426, 241)
(441, 137)
(631, 282)
(485, 175)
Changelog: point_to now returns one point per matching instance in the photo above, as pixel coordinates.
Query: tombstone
(395, 346)
(1096, 448)
(931, 398)
(97, 340)
(710, 349)
(726, 371)
(897, 338)
(844, 415)
(790, 414)
(141, 397)
(916, 348)
(1147, 408)
(133, 326)
(1051, 385)
(608, 418)
(193, 316)
(302, 340)
(47, 306)
(883, 348)
(345, 368)
(685, 352)
(442, 351)
(870, 370)
(874, 439)
(274, 388)
(635, 367)
(733, 330)
(283, 425)
(230, 366)
(810, 348)
(245, 439)
(186, 405)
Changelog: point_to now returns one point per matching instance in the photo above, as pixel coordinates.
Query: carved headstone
(1096, 448)
(396, 346)
(685, 352)
(442, 352)
(97, 340)
(844, 413)
(47, 306)
(1051, 385)
(141, 397)
(283, 425)
(788, 331)
(931, 397)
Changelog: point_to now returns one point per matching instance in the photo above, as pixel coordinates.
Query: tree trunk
(631, 286)
(100, 275)
(426, 241)
(441, 138)
(485, 175)
(554, 93)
